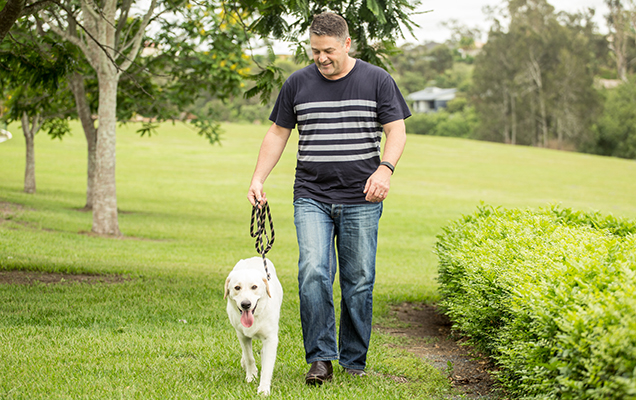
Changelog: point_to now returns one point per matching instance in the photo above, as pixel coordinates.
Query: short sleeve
(283, 113)
(391, 104)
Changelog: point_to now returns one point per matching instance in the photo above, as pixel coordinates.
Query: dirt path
(430, 333)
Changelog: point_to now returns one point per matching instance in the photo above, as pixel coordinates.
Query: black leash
(260, 214)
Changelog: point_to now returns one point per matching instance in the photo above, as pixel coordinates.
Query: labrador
(253, 306)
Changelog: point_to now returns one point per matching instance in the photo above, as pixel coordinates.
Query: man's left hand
(378, 184)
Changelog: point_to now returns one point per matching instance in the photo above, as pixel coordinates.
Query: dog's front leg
(247, 360)
(268, 359)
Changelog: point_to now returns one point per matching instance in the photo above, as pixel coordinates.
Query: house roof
(432, 93)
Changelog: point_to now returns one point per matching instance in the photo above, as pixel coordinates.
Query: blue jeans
(352, 230)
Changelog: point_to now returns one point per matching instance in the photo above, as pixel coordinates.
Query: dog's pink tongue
(247, 318)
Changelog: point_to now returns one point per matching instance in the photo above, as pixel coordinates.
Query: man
(341, 105)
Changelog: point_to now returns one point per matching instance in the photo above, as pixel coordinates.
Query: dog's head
(245, 289)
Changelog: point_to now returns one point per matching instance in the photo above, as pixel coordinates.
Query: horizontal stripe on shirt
(333, 115)
(338, 104)
(338, 158)
(337, 125)
(343, 137)
(338, 147)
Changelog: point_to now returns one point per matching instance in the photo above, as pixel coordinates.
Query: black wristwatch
(388, 165)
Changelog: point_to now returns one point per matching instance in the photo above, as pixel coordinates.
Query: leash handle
(259, 218)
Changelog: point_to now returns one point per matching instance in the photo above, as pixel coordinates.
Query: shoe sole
(316, 381)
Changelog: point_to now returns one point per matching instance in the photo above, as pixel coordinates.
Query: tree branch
(139, 37)
(77, 41)
(123, 17)
(64, 35)
(125, 45)
(9, 14)
(89, 8)
(34, 8)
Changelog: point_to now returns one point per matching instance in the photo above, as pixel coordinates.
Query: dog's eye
(237, 287)
(254, 287)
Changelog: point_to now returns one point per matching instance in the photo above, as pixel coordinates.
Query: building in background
(431, 99)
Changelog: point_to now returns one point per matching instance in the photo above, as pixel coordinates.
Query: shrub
(442, 123)
(550, 294)
(424, 123)
(460, 124)
(616, 226)
(458, 104)
(615, 132)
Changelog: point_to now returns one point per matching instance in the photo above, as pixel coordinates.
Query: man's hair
(330, 24)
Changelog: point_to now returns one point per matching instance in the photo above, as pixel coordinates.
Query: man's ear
(347, 44)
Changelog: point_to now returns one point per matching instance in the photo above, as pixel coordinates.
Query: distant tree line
(543, 78)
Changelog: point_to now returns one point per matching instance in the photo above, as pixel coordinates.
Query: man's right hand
(256, 194)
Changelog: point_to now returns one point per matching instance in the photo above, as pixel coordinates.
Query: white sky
(469, 13)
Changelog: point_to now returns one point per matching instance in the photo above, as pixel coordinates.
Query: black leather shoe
(320, 372)
(355, 372)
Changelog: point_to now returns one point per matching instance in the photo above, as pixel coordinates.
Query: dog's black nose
(246, 304)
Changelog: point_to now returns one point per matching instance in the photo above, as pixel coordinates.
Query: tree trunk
(513, 113)
(102, 52)
(535, 72)
(29, 136)
(619, 47)
(506, 111)
(544, 119)
(105, 220)
(559, 125)
(621, 28)
(105, 201)
(533, 121)
(76, 83)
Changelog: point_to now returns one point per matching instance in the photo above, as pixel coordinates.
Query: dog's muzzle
(247, 315)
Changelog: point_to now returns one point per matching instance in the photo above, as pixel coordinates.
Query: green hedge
(462, 123)
(550, 295)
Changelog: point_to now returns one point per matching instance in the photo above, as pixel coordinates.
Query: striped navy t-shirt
(340, 128)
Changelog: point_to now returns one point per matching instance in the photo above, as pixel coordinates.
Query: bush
(550, 295)
(615, 132)
(442, 123)
(424, 123)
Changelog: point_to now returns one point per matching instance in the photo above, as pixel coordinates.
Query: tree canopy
(190, 48)
(533, 79)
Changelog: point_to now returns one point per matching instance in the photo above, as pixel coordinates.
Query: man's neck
(351, 62)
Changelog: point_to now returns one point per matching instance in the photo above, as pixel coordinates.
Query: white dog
(253, 305)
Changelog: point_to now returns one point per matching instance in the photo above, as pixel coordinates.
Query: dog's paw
(264, 390)
(250, 375)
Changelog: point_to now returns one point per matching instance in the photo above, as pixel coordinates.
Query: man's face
(330, 55)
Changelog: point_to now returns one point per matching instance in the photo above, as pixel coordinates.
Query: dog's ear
(267, 286)
(226, 292)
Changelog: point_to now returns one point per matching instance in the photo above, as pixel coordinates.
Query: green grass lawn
(164, 332)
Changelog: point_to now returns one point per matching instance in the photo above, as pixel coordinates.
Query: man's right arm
(271, 150)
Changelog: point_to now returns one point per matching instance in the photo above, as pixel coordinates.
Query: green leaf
(377, 12)
(148, 128)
